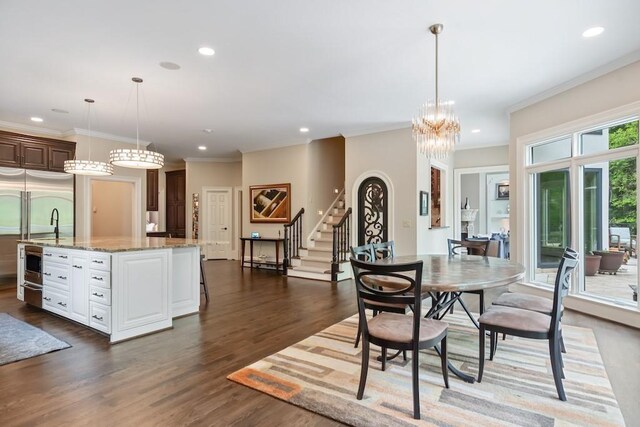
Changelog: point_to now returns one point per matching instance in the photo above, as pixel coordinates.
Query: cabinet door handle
(47, 298)
(63, 256)
(62, 277)
(98, 295)
(97, 317)
(47, 274)
(62, 304)
(47, 254)
(97, 261)
(77, 266)
(97, 278)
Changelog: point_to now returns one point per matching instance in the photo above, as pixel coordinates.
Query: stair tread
(311, 269)
(316, 259)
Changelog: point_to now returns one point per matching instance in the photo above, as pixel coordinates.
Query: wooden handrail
(341, 239)
(292, 239)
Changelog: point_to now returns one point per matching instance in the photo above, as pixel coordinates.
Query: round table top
(459, 273)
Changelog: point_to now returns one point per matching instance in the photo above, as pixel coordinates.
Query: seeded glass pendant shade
(88, 167)
(136, 158)
(436, 128)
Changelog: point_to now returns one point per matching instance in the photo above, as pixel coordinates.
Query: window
(599, 181)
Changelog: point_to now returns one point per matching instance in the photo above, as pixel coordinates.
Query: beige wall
(394, 155)
(277, 166)
(615, 89)
(111, 209)
(325, 174)
(479, 157)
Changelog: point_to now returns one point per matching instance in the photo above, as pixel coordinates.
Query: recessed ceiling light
(207, 130)
(592, 32)
(169, 65)
(475, 130)
(36, 119)
(202, 148)
(59, 110)
(206, 51)
(304, 130)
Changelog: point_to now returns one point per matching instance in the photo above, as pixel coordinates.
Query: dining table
(446, 277)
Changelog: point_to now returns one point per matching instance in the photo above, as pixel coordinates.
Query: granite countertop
(115, 244)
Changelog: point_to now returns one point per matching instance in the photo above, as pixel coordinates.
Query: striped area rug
(321, 374)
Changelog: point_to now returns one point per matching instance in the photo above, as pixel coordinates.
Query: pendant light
(436, 129)
(88, 167)
(135, 157)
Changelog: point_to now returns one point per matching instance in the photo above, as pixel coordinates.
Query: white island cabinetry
(125, 293)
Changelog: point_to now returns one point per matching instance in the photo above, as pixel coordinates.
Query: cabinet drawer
(56, 302)
(56, 275)
(100, 317)
(52, 255)
(100, 261)
(100, 278)
(100, 295)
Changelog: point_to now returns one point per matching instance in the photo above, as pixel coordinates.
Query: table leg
(251, 252)
(242, 259)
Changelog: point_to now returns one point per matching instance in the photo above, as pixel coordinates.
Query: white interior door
(218, 224)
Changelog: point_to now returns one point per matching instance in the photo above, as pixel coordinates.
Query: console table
(275, 240)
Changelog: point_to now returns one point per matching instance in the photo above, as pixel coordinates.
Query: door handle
(97, 317)
(62, 304)
(98, 295)
(77, 266)
(224, 228)
(96, 278)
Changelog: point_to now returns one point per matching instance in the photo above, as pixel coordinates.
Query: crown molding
(213, 159)
(31, 129)
(378, 129)
(577, 81)
(104, 135)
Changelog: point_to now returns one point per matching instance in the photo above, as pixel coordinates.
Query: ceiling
(334, 66)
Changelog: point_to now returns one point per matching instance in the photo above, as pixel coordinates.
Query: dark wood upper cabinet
(9, 153)
(176, 206)
(33, 152)
(152, 189)
(58, 155)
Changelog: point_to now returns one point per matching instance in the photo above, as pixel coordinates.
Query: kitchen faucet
(56, 229)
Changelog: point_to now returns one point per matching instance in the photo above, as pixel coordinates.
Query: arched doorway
(373, 217)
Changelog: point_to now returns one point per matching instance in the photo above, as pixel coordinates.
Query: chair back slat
(363, 253)
(455, 246)
(568, 263)
(384, 250)
(369, 278)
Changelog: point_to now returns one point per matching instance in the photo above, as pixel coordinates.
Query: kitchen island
(123, 287)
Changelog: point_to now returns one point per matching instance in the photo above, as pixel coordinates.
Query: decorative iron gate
(372, 211)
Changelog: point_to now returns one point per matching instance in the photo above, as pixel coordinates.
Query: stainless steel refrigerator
(27, 198)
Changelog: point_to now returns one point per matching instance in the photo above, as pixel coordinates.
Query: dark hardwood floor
(178, 377)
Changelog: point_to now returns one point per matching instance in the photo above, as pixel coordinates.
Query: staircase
(314, 261)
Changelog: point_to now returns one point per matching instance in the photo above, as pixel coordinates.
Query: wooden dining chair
(473, 247)
(397, 331)
(532, 302)
(367, 253)
(531, 324)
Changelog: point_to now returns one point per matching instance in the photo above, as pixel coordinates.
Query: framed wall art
(502, 191)
(270, 203)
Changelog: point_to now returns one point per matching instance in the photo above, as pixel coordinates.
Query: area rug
(19, 340)
(321, 374)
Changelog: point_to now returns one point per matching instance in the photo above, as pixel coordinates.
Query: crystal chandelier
(136, 158)
(88, 167)
(436, 129)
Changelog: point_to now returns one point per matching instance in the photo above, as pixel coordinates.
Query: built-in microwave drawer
(100, 261)
(56, 275)
(100, 278)
(101, 295)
